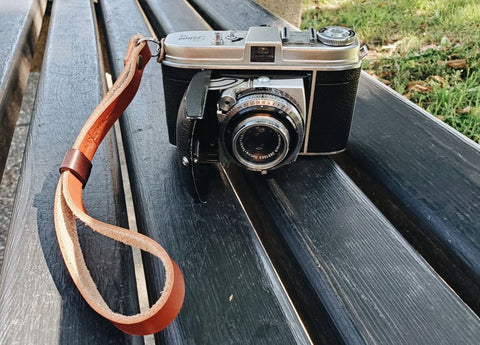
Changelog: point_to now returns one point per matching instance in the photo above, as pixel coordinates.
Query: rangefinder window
(262, 54)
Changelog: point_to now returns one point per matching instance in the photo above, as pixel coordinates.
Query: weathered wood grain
(233, 295)
(39, 303)
(372, 285)
(238, 15)
(20, 23)
(425, 177)
(352, 277)
(168, 21)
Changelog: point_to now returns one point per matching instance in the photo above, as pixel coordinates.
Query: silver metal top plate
(257, 48)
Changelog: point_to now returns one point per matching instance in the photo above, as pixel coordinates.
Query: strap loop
(68, 207)
(78, 164)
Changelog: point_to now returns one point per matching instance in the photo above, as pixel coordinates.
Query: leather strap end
(78, 164)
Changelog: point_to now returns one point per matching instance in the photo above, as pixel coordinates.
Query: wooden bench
(20, 27)
(298, 257)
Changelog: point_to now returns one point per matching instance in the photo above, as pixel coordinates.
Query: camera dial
(336, 36)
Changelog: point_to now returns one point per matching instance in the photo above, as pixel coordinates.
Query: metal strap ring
(153, 40)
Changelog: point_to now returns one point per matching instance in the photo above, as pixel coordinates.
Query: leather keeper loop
(78, 164)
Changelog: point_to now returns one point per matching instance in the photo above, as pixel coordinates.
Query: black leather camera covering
(175, 82)
(333, 106)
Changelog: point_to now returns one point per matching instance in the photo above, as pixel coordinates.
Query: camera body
(258, 98)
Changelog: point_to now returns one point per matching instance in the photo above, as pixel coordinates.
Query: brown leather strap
(69, 207)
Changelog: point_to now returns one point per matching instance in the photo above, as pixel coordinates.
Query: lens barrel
(264, 130)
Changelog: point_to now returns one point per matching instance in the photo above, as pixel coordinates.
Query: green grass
(414, 46)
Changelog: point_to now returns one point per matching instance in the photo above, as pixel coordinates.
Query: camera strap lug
(363, 52)
(159, 51)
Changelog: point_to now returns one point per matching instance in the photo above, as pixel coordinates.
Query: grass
(429, 51)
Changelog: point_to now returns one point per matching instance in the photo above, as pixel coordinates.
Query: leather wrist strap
(69, 207)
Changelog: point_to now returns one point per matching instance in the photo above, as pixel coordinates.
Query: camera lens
(260, 142)
(263, 130)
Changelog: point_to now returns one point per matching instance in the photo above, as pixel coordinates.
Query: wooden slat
(425, 176)
(39, 303)
(239, 15)
(20, 23)
(371, 282)
(167, 21)
(368, 279)
(232, 293)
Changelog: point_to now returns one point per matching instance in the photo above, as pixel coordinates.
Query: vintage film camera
(258, 98)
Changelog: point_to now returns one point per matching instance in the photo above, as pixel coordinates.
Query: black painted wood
(20, 25)
(425, 177)
(169, 21)
(351, 275)
(233, 295)
(39, 303)
(371, 284)
(237, 15)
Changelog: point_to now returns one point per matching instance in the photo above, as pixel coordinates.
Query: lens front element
(260, 142)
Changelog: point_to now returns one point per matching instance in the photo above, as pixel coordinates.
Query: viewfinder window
(262, 54)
